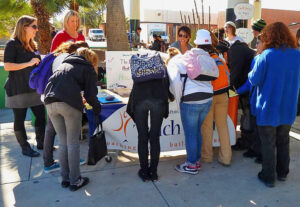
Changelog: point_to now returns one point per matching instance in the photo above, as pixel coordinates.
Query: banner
(121, 132)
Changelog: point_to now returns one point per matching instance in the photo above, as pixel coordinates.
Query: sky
(216, 5)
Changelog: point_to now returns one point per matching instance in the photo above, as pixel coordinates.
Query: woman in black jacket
(150, 96)
(20, 58)
(64, 104)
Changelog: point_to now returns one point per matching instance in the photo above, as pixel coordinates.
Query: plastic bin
(3, 76)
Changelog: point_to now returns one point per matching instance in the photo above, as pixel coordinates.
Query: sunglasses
(181, 35)
(35, 27)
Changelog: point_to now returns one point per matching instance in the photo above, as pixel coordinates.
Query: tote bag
(97, 146)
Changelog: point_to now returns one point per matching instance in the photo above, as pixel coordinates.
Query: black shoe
(238, 147)
(153, 176)
(258, 160)
(144, 175)
(269, 184)
(30, 152)
(65, 184)
(281, 178)
(250, 154)
(80, 183)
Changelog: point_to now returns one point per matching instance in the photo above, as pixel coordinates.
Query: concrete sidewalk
(24, 184)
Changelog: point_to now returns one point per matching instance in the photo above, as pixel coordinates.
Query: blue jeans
(192, 117)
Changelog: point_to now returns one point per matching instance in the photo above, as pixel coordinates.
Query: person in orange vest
(217, 113)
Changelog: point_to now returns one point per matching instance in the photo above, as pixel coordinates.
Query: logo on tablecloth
(124, 118)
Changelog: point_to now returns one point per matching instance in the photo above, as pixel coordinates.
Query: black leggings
(20, 115)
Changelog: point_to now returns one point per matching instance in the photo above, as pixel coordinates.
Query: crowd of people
(265, 75)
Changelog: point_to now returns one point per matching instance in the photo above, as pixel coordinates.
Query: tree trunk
(74, 6)
(117, 39)
(44, 34)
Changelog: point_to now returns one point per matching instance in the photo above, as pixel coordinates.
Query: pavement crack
(163, 197)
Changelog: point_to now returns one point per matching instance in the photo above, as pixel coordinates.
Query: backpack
(147, 67)
(39, 76)
(199, 65)
(222, 83)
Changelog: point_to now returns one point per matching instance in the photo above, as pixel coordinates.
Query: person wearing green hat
(257, 26)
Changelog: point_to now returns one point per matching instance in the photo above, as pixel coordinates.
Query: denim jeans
(192, 117)
(141, 114)
(273, 138)
(67, 123)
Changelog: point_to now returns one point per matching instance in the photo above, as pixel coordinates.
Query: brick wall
(270, 16)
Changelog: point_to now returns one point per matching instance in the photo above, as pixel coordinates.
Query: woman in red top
(70, 32)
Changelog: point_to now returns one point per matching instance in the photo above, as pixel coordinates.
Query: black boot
(153, 170)
(26, 149)
(39, 135)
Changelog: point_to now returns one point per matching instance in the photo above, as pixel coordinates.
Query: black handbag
(97, 146)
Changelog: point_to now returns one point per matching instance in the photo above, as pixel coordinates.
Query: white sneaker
(187, 168)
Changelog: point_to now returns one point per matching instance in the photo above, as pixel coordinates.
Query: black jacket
(153, 89)
(73, 76)
(17, 81)
(155, 46)
(240, 57)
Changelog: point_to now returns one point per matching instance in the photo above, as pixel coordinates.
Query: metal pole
(134, 14)
(257, 10)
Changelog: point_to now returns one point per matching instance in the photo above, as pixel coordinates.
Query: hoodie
(74, 75)
(201, 91)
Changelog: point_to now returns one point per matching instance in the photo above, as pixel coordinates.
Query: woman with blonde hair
(64, 104)
(71, 25)
(20, 57)
(276, 74)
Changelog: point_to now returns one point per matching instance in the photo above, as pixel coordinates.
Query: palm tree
(116, 26)
(44, 34)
